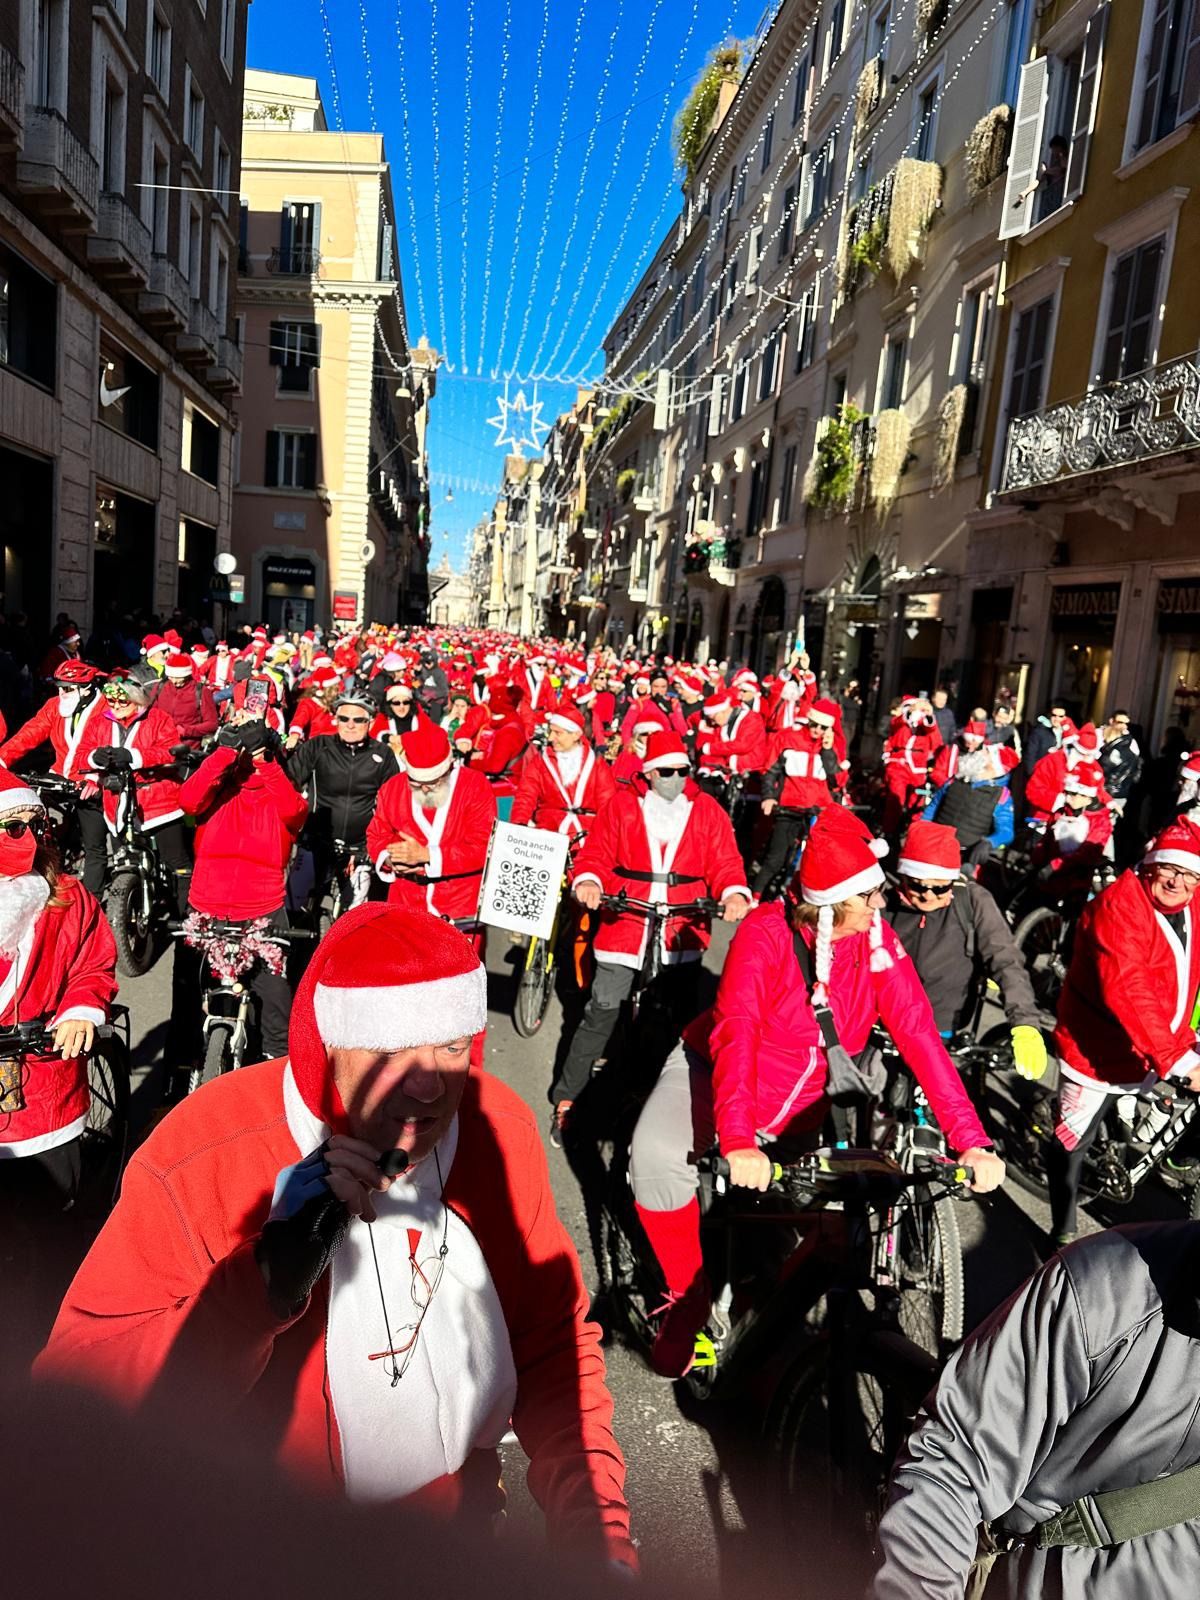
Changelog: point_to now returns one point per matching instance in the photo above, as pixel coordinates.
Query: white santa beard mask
(21, 901)
(570, 762)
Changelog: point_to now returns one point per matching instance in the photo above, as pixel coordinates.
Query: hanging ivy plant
(693, 121)
(625, 483)
(835, 460)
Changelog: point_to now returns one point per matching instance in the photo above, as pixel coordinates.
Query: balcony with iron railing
(712, 558)
(1134, 424)
(866, 232)
(58, 171)
(297, 261)
(12, 100)
(119, 250)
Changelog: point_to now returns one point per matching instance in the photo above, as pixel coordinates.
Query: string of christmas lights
(333, 83)
(409, 183)
(468, 73)
(435, 123)
(552, 184)
(505, 51)
(523, 192)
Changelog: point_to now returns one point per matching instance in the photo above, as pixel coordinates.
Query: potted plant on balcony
(985, 149)
(626, 481)
(693, 123)
(833, 471)
(889, 457)
(916, 195)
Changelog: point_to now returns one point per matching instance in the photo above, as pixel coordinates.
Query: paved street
(694, 1480)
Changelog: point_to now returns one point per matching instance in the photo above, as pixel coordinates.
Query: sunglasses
(674, 772)
(117, 696)
(354, 722)
(911, 887)
(18, 828)
(400, 702)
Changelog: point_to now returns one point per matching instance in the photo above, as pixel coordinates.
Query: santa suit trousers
(611, 987)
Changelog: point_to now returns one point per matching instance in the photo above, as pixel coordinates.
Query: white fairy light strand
(552, 183)
(409, 183)
(333, 83)
(466, 193)
(368, 69)
(505, 51)
(435, 118)
(523, 191)
(581, 184)
(602, 209)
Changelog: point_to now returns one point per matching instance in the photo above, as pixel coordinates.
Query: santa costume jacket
(1126, 1006)
(218, 670)
(908, 754)
(457, 835)
(249, 817)
(62, 971)
(171, 1295)
(798, 769)
(191, 708)
(149, 737)
(737, 748)
(547, 799)
(699, 860)
(764, 1043)
(73, 737)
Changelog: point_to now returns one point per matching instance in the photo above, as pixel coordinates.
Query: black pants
(93, 835)
(789, 828)
(611, 987)
(271, 991)
(1064, 1169)
(171, 842)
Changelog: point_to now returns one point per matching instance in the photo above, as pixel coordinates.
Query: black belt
(446, 877)
(672, 880)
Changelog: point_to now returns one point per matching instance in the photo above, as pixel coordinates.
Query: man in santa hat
(501, 739)
(218, 671)
(1047, 782)
(908, 754)
(1127, 1012)
(670, 842)
(563, 788)
(1078, 835)
(731, 743)
(958, 938)
(971, 793)
(155, 650)
(57, 964)
(66, 647)
(803, 764)
(356, 1251)
(535, 692)
(431, 829)
(186, 700)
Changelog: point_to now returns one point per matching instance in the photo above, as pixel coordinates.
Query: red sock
(675, 1239)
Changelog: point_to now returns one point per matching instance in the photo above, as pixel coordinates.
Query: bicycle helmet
(356, 697)
(78, 673)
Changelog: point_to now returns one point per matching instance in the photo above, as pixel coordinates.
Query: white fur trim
(821, 719)
(869, 878)
(38, 1142)
(738, 888)
(428, 774)
(399, 1016)
(587, 877)
(880, 960)
(556, 720)
(383, 867)
(909, 868)
(673, 758)
(1173, 858)
(91, 1014)
(20, 800)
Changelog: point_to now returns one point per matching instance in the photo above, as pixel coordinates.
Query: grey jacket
(1087, 1380)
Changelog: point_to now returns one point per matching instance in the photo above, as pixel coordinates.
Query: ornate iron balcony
(1152, 414)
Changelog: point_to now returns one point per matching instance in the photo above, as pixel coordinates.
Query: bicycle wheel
(1041, 937)
(533, 989)
(133, 932)
(105, 1137)
(929, 1271)
(218, 1057)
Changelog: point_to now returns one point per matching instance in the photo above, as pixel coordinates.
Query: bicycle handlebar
(26, 1038)
(855, 1174)
(237, 930)
(661, 908)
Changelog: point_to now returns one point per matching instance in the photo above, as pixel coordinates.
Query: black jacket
(341, 782)
(1121, 763)
(1042, 739)
(955, 949)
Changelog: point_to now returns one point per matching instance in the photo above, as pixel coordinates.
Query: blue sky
(569, 107)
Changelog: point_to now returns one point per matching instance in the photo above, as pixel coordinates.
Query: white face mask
(68, 702)
(668, 785)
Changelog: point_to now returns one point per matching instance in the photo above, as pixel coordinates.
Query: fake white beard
(974, 765)
(570, 763)
(663, 817)
(22, 900)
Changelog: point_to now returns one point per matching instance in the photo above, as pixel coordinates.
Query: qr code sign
(522, 891)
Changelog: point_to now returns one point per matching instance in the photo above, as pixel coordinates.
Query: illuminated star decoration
(519, 423)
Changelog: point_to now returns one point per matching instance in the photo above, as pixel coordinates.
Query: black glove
(294, 1250)
(119, 757)
(230, 736)
(101, 756)
(256, 736)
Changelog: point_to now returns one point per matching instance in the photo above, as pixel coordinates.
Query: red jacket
(217, 671)
(545, 800)
(311, 718)
(248, 823)
(796, 773)
(619, 845)
(1126, 1006)
(907, 756)
(604, 711)
(499, 745)
(170, 1295)
(1075, 841)
(73, 739)
(190, 707)
(739, 747)
(457, 837)
(64, 969)
(764, 1042)
(150, 736)
(643, 709)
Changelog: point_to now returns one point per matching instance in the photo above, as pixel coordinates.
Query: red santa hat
(930, 852)
(1189, 762)
(260, 633)
(426, 751)
(16, 795)
(1178, 845)
(823, 714)
(645, 726)
(973, 730)
(664, 749)
(322, 678)
(1006, 757)
(640, 679)
(173, 638)
(566, 716)
(840, 859)
(384, 978)
(745, 679)
(153, 643)
(200, 654)
(179, 666)
(716, 701)
(1085, 740)
(1085, 777)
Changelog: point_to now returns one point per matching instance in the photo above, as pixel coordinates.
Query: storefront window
(1083, 619)
(1177, 690)
(289, 594)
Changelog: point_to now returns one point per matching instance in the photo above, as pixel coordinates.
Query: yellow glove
(1029, 1053)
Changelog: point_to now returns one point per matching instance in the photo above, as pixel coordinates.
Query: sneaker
(558, 1122)
(674, 1351)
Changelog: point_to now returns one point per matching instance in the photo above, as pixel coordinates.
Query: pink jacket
(764, 1042)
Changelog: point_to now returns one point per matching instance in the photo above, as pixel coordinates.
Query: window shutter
(1087, 102)
(1189, 80)
(308, 461)
(271, 469)
(277, 342)
(1152, 81)
(310, 344)
(315, 241)
(1020, 187)
(1143, 308)
(285, 233)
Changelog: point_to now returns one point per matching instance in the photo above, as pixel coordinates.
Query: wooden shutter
(271, 467)
(1087, 102)
(1189, 79)
(1132, 312)
(1156, 66)
(1020, 189)
(308, 461)
(285, 234)
(277, 344)
(310, 344)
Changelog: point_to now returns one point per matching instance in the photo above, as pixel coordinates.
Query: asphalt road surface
(695, 1477)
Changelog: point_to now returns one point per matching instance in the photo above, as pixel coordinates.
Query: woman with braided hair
(755, 1068)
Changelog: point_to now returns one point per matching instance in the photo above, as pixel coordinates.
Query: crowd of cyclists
(284, 780)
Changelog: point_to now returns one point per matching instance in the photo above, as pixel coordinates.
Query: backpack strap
(823, 1014)
(1098, 1521)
